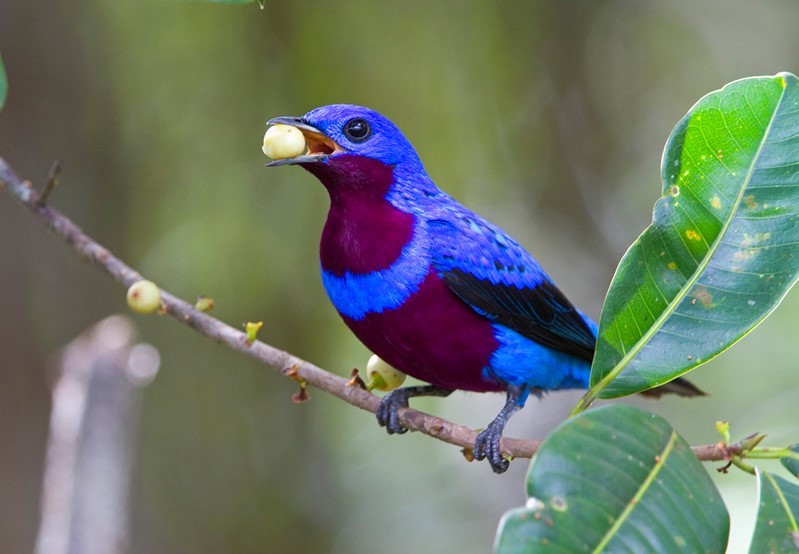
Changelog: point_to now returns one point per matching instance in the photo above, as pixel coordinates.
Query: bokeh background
(547, 117)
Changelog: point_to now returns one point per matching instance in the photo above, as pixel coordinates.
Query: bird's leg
(388, 410)
(487, 443)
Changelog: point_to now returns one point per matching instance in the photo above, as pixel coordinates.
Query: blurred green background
(547, 117)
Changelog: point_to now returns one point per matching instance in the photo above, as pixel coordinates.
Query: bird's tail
(679, 386)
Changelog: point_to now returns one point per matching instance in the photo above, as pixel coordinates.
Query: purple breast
(363, 232)
(434, 337)
(362, 235)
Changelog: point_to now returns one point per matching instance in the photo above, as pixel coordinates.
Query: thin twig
(52, 181)
(88, 249)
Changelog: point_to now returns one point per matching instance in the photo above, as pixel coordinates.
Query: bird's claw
(487, 446)
(388, 411)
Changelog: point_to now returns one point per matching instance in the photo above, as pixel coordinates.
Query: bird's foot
(388, 411)
(487, 447)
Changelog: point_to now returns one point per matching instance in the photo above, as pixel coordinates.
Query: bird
(432, 288)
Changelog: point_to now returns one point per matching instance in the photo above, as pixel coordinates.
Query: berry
(381, 376)
(144, 297)
(283, 141)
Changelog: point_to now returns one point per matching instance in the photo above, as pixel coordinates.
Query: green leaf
(791, 462)
(776, 529)
(3, 84)
(617, 479)
(723, 247)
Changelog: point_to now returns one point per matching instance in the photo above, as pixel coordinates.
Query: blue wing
(499, 279)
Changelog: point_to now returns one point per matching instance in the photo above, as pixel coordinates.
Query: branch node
(435, 427)
(356, 381)
(291, 371)
(102, 253)
(301, 395)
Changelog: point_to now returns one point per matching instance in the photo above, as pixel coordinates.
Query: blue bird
(431, 287)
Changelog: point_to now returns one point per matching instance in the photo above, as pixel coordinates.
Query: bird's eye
(357, 130)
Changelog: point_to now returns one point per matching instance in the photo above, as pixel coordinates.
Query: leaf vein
(661, 459)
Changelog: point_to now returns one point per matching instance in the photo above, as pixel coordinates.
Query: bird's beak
(320, 146)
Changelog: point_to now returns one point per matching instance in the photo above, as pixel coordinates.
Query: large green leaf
(791, 461)
(776, 529)
(723, 247)
(617, 479)
(3, 84)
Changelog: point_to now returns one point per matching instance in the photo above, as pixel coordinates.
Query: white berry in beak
(283, 141)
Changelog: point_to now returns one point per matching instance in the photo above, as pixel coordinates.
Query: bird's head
(350, 145)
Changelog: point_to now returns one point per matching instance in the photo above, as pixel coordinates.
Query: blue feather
(357, 294)
(500, 280)
(519, 361)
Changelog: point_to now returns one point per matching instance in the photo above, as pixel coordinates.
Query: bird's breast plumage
(378, 270)
(363, 274)
(433, 336)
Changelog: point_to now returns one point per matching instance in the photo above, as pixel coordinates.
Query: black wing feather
(542, 314)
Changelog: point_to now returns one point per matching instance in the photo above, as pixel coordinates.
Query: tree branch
(288, 364)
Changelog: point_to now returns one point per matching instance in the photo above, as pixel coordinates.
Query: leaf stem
(592, 393)
(737, 462)
(772, 453)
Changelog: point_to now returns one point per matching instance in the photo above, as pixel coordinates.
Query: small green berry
(381, 376)
(144, 297)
